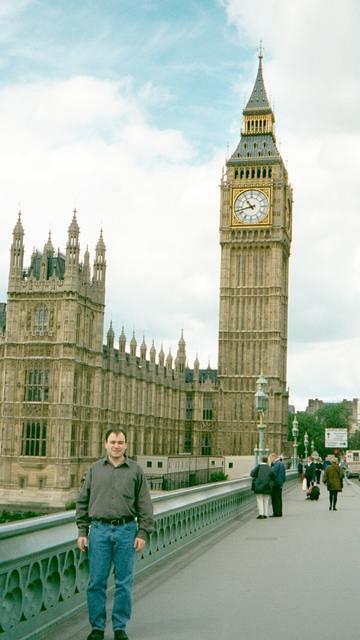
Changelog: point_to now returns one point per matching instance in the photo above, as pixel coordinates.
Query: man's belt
(115, 521)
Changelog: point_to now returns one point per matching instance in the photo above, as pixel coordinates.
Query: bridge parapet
(43, 576)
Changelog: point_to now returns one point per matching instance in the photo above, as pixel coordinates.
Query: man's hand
(82, 543)
(139, 544)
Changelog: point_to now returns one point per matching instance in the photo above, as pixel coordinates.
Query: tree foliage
(330, 415)
(354, 440)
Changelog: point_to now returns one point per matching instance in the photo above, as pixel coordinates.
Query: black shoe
(96, 634)
(120, 634)
(330, 508)
(334, 509)
(258, 517)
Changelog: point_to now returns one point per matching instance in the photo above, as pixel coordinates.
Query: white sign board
(336, 438)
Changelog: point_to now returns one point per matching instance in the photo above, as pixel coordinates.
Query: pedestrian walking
(344, 466)
(276, 493)
(319, 468)
(333, 478)
(114, 516)
(263, 480)
(310, 473)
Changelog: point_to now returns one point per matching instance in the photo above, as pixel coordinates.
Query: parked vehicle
(353, 463)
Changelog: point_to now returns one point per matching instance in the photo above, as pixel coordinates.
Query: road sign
(337, 438)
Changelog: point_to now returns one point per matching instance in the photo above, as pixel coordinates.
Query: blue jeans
(111, 544)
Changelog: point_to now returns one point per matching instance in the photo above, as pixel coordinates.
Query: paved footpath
(290, 578)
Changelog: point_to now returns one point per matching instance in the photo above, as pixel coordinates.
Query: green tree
(334, 414)
(354, 441)
(308, 423)
(330, 415)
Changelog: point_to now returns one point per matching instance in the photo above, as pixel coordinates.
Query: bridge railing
(43, 576)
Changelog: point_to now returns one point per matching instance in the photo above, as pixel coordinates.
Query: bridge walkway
(295, 577)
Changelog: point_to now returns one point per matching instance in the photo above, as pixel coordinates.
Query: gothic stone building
(61, 387)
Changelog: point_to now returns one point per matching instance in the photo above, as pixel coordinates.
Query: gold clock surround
(235, 222)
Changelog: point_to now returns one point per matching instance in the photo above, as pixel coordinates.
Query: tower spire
(258, 101)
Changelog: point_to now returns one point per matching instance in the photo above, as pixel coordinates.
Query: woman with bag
(263, 481)
(333, 478)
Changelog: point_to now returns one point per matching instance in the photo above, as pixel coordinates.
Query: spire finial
(261, 51)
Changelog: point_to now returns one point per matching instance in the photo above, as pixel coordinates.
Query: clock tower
(255, 237)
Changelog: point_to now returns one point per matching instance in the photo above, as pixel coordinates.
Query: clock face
(251, 206)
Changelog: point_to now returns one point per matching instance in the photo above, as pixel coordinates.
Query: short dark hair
(116, 431)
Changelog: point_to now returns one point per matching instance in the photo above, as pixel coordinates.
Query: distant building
(354, 406)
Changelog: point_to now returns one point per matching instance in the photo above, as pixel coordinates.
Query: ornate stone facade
(61, 388)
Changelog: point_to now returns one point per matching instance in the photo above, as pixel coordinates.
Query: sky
(127, 111)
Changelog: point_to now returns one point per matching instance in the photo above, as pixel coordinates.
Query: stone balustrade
(43, 576)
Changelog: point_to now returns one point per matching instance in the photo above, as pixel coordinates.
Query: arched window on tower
(41, 319)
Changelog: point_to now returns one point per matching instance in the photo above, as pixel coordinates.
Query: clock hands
(251, 206)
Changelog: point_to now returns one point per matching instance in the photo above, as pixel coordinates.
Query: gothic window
(205, 445)
(188, 439)
(40, 319)
(207, 406)
(88, 389)
(33, 439)
(77, 334)
(37, 385)
(75, 387)
(84, 441)
(189, 406)
(91, 330)
(73, 442)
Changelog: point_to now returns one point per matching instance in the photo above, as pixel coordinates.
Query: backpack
(314, 493)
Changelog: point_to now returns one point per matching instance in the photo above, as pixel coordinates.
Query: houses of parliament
(61, 387)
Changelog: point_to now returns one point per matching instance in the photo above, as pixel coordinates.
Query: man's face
(116, 445)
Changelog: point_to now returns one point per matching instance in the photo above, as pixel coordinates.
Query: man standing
(113, 495)
(276, 493)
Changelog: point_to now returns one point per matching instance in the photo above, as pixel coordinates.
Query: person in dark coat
(300, 469)
(310, 473)
(276, 494)
(319, 468)
(263, 480)
(333, 478)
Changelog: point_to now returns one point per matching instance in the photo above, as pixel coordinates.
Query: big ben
(255, 238)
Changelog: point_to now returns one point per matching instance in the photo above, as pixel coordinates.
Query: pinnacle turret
(17, 251)
(99, 262)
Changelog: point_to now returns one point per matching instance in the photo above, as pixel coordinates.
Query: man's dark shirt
(113, 492)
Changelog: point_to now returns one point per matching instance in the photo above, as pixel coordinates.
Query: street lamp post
(306, 443)
(295, 433)
(261, 398)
